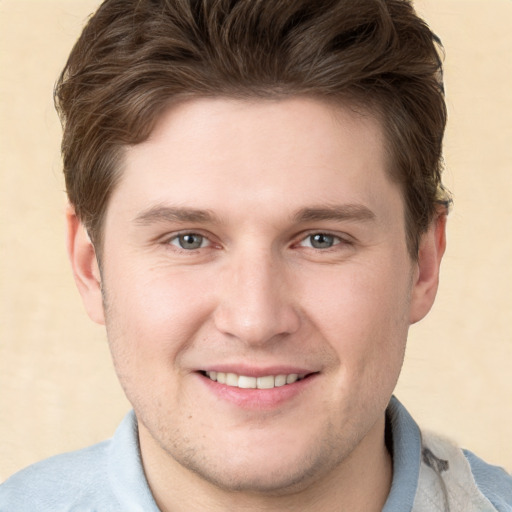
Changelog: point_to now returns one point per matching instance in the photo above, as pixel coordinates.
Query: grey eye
(189, 241)
(321, 240)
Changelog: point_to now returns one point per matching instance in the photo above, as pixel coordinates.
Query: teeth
(247, 382)
(280, 380)
(267, 382)
(232, 379)
(290, 379)
(244, 382)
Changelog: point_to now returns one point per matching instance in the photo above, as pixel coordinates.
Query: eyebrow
(174, 214)
(346, 212)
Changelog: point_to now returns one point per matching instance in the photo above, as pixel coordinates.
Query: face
(258, 288)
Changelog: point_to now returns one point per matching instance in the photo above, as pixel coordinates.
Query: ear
(85, 267)
(426, 277)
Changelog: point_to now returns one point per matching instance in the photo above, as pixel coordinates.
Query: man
(257, 216)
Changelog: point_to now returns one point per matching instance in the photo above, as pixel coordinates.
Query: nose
(256, 303)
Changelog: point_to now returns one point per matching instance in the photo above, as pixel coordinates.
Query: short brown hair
(134, 57)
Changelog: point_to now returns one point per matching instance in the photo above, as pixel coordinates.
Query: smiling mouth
(245, 382)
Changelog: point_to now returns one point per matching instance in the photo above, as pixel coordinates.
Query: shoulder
(462, 479)
(106, 477)
(432, 471)
(493, 481)
(67, 482)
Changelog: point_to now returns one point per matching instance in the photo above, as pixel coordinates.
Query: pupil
(321, 241)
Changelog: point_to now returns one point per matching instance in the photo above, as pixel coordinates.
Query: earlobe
(426, 279)
(82, 256)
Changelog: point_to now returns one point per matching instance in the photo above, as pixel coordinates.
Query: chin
(280, 480)
(269, 468)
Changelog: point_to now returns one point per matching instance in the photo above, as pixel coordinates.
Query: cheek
(362, 312)
(153, 315)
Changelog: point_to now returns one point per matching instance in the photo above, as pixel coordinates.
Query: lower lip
(258, 399)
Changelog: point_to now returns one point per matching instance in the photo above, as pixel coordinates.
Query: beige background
(57, 388)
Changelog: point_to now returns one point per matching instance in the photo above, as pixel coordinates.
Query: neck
(360, 483)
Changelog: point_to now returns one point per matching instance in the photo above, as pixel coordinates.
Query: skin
(259, 295)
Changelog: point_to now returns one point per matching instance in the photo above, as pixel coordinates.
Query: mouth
(247, 382)
(258, 389)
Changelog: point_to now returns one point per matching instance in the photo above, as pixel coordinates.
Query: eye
(189, 241)
(320, 241)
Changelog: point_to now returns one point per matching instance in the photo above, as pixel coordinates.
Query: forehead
(226, 154)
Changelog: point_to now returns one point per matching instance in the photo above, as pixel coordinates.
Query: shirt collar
(125, 470)
(406, 452)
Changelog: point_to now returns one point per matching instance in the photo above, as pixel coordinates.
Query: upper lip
(253, 371)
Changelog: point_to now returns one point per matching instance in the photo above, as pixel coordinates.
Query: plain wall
(58, 390)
